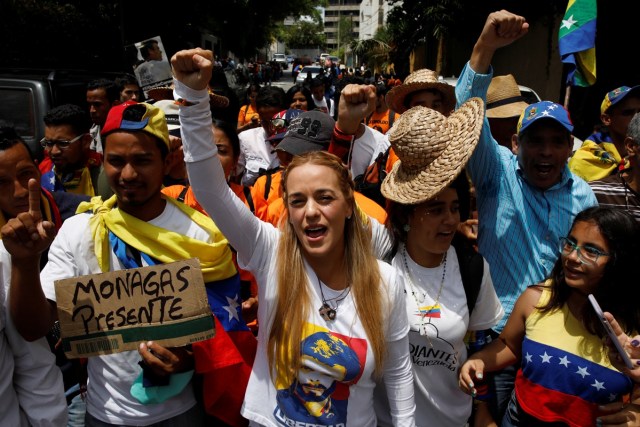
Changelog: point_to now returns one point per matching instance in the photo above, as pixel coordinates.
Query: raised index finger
(34, 200)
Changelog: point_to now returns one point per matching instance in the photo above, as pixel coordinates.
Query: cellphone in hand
(609, 329)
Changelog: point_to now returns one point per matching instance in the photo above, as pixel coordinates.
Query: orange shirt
(393, 157)
(276, 209)
(260, 203)
(245, 114)
(381, 121)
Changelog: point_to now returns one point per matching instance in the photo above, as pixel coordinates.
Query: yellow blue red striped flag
(577, 41)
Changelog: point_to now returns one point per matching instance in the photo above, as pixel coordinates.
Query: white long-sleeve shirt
(337, 376)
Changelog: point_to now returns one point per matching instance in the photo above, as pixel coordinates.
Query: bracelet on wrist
(340, 132)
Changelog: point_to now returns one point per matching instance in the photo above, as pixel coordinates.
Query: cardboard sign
(114, 312)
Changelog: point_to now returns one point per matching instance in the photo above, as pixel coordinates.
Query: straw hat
(420, 80)
(166, 92)
(504, 99)
(432, 150)
(160, 93)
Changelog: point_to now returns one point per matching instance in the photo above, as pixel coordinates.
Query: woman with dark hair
(565, 375)
(428, 196)
(299, 97)
(248, 117)
(228, 145)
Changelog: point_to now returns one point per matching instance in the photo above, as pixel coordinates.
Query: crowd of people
(375, 253)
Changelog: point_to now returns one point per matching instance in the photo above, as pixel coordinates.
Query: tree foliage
(305, 34)
(413, 23)
(434, 23)
(93, 33)
(375, 52)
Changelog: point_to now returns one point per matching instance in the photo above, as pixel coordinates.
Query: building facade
(373, 15)
(340, 10)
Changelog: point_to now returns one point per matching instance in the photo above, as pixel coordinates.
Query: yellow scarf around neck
(164, 245)
(79, 183)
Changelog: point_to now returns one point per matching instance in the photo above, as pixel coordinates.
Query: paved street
(285, 81)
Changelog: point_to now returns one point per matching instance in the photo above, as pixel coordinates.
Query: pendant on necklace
(422, 326)
(326, 312)
(423, 329)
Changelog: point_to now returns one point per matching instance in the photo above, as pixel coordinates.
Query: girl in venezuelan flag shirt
(565, 375)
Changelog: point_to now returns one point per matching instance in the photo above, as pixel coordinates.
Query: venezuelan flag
(429, 311)
(557, 385)
(577, 41)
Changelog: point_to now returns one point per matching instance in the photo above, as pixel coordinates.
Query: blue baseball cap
(615, 96)
(544, 110)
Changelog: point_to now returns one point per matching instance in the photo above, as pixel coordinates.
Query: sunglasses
(61, 143)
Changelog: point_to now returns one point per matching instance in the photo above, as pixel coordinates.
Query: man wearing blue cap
(526, 202)
(603, 153)
(622, 190)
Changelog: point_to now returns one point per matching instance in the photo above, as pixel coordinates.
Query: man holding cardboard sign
(137, 227)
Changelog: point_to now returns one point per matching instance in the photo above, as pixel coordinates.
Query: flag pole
(567, 94)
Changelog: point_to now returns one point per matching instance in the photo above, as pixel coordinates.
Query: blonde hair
(294, 294)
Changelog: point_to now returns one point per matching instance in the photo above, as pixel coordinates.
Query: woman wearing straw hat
(428, 191)
(327, 328)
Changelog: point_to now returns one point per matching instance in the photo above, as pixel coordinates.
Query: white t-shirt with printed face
(336, 383)
(110, 377)
(437, 356)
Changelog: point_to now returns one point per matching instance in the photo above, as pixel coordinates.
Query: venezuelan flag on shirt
(432, 311)
(577, 41)
(555, 384)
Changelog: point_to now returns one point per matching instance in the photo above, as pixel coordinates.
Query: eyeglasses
(61, 143)
(587, 255)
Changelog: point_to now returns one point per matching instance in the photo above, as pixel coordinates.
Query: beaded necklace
(422, 328)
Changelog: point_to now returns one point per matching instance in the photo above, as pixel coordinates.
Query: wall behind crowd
(535, 60)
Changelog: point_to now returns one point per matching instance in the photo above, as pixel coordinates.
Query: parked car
(334, 59)
(281, 59)
(28, 94)
(313, 69)
(290, 59)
